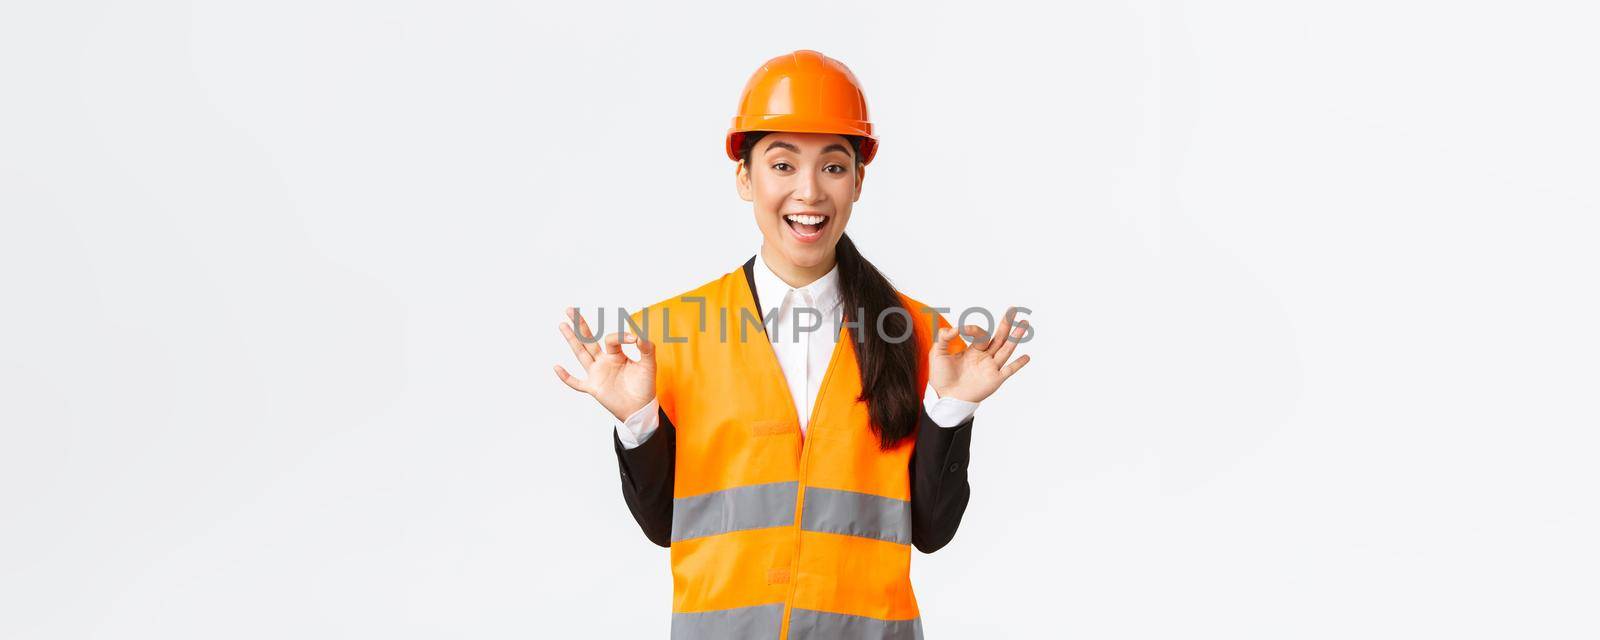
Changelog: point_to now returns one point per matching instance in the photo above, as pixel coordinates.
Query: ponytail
(888, 369)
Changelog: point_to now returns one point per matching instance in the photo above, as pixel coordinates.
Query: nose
(807, 190)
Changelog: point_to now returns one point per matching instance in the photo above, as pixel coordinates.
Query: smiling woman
(792, 475)
(818, 178)
(802, 183)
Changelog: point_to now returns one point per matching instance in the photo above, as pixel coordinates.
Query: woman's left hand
(976, 372)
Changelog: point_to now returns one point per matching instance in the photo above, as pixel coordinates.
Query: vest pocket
(766, 428)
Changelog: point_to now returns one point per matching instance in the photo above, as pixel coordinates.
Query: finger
(569, 379)
(581, 351)
(1015, 366)
(613, 344)
(981, 342)
(629, 337)
(582, 323)
(1010, 344)
(1004, 330)
(647, 351)
(941, 341)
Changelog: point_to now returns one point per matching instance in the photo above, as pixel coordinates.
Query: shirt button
(954, 466)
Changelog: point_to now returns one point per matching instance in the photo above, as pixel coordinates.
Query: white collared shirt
(803, 355)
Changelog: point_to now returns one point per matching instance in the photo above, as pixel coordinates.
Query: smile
(806, 227)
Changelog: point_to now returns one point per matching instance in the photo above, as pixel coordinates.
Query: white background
(1314, 286)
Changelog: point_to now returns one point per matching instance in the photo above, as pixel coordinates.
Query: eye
(781, 166)
(830, 168)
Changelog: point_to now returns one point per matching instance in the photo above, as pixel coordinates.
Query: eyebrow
(779, 144)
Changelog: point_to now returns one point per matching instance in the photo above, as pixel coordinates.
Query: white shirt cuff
(638, 427)
(947, 412)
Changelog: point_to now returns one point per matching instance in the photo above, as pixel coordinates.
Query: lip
(794, 233)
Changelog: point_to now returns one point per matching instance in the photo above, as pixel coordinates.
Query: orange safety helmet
(803, 92)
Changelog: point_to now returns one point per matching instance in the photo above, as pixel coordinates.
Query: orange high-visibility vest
(775, 534)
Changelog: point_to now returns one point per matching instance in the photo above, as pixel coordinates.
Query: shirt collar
(771, 289)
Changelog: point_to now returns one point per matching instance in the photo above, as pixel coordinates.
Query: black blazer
(939, 489)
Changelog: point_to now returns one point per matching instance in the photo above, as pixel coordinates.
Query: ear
(861, 176)
(741, 181)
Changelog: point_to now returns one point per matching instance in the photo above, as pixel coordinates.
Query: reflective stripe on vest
(772, 505)
(857, 514)
(820, 625)
(750, 507)
(763, 621)
(745, 622)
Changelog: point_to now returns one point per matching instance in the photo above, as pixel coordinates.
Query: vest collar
(825, 294)
(766, 360)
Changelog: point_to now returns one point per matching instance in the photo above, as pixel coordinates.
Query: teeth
(802, 219)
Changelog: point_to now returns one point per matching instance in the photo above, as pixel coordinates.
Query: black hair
(888, 369)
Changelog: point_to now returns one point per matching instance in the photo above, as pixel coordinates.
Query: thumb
(941, 341)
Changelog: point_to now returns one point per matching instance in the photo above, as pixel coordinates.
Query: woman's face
(802, 186)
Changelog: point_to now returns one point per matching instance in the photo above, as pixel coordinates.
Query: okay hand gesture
(977, 371)
(621, 384)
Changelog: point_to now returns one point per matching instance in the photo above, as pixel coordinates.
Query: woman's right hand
(622, 385)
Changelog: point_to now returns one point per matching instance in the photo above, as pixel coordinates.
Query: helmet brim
(795, 124)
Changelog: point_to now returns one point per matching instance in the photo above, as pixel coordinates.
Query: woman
(790, 430)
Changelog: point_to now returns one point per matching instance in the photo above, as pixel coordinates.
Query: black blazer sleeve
(939, 489)
(647, 480)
